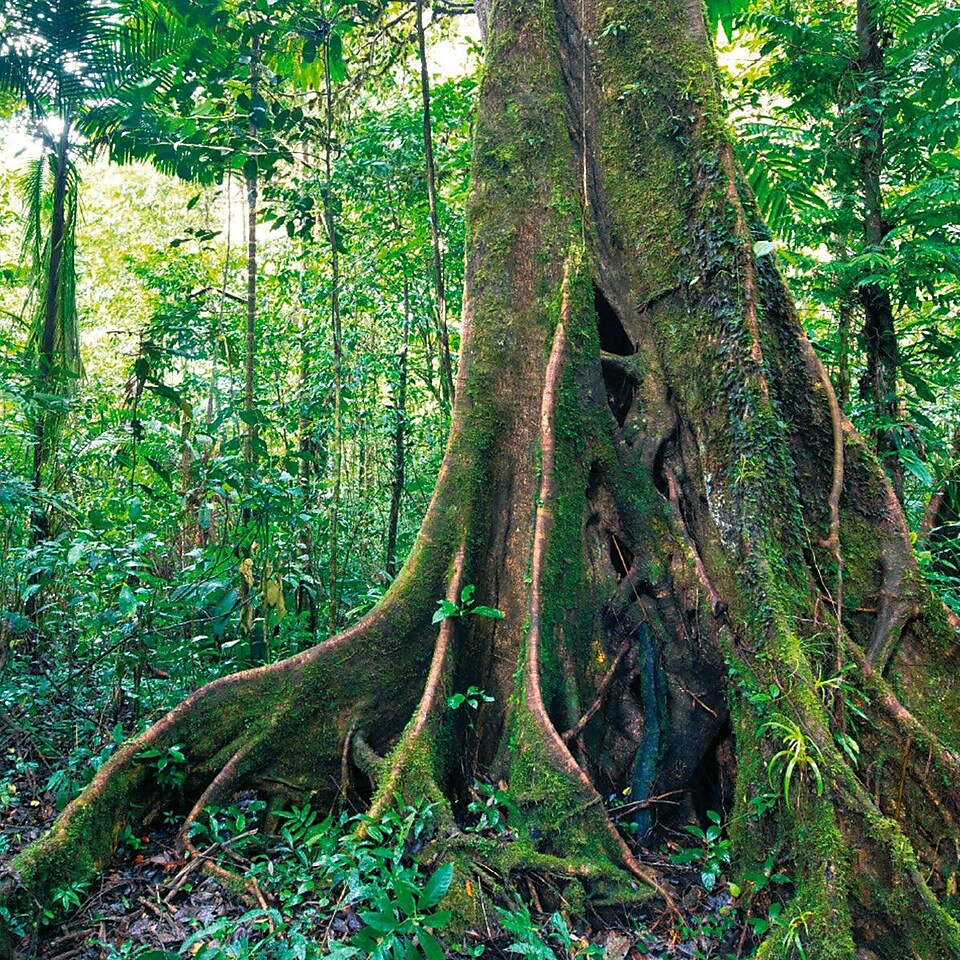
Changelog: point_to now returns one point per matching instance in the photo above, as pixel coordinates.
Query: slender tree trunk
(250, 338)
(52, 313)
(186, 535)
(306, 601)
(446, 368)
(213, 394)
(879, 384)
(333, 613)
(846, 346)
(399, 438)
(46, 423)
(246, 591)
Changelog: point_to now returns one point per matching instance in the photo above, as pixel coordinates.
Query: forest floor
(150, 903)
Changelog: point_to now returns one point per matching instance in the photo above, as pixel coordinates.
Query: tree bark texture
(648, 472)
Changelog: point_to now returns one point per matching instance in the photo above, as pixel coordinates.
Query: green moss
(75, 848)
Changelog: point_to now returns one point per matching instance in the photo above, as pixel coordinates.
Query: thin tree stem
(445, 362)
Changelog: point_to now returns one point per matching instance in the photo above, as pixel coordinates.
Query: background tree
(847, 123)
(71, 63)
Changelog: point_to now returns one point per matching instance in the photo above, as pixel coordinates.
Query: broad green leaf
(405, 899)
(337, 66)
(492, 612)
(127, 601)
(446, 608)
(438, 919)
(436, 887)
(382, 921)
(430, 944)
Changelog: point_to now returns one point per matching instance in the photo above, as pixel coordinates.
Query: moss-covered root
(888, 881)
(857, 884)
(279, 728)
(411, 769)
(124, 791)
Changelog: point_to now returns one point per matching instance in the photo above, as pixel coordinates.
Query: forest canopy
(638, 633)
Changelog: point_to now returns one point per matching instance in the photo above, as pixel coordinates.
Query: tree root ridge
(226, 783)
(884, 702)
(899, 604)
(557, 752)
(424, 722)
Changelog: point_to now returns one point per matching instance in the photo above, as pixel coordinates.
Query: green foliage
(493, 807)
(550, 940)
(168, 764)
(79, 766)
(465, 608)
(473, 697)
(713, 854)
(133, 599)
(71, 65)
(751, 906)
(797, 755)
(337, 892)
(804, 108)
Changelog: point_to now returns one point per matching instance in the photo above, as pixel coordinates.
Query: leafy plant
(796, 756)
(492, 806)
(64, 900)
(552, 940)
(168, 763)
(403, 918)
(713, 853)
(11, 924)
(473, 697)
(791, 929)
(465, 608)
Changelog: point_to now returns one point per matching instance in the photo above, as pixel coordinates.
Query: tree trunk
(51, 328)
(397, 480)
(245, 586)
(446, 367)
(649, 474)
(306, 589)
(879, 384)
(250, 339)
(333, 570)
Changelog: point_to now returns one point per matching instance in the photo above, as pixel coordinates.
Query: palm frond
(31, 188)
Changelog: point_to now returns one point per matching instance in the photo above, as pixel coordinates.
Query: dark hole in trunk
(668, 447)
(620, 388)
(613, 338)
(620, 556)
(363, 787)
(711, 787)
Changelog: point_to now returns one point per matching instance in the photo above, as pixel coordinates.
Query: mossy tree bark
(649, 474)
